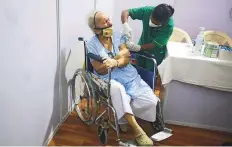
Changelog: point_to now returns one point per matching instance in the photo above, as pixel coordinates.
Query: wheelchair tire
(91, 99)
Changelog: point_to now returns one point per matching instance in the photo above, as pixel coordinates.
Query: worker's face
(154, 23)
(103, 25)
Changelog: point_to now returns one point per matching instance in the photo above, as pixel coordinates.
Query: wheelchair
(92, 100)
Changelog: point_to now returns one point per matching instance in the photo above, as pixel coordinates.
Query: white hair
(91, 19)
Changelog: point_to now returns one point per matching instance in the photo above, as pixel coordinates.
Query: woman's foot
(123, 127)
(141, 138)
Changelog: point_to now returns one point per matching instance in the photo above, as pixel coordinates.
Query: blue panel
(146, 75)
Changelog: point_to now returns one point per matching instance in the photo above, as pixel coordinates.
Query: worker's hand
(110, 63)
(133, 47)
(127, 30)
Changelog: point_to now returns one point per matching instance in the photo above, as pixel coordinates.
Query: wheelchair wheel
(103, 134)
(84, 97)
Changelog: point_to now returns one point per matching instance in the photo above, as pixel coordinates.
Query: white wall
(73, 24)
(29, 103)
(73, 21)
(107, 6)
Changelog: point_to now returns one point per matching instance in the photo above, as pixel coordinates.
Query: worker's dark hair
(162, 13)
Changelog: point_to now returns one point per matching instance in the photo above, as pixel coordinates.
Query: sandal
(142, 139)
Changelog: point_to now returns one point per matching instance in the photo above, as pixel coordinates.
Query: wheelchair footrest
(166, 133)
(130, 143)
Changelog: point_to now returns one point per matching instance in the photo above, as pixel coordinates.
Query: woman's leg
(145, 102)
(120, 100)
(140, 136)
(121, 103)
(147, 107)
(133, 123)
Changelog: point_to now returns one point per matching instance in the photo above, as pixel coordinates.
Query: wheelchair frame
(104, 96)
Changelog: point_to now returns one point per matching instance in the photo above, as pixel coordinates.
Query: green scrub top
(159, 36)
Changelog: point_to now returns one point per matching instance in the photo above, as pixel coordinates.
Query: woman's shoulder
(92, 40)
(117, 34)
(92, 44)
(118, 37)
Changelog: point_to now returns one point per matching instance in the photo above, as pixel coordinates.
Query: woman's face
(102, 21)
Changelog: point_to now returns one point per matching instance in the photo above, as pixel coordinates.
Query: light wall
(33, 91)
(73, 24)
(211, 14)
(29, 88)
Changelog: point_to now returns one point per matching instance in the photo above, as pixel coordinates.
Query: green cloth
(159, 36)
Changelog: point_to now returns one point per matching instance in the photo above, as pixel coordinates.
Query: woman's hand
(124, 52)
(110, 63)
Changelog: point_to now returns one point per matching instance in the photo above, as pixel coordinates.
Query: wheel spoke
(84, 96)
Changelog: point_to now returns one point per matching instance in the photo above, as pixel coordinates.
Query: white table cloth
(197, 89)
(182, 65)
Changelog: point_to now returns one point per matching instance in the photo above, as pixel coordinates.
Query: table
(198, 90)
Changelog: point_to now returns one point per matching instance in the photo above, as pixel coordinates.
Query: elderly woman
(130, 95)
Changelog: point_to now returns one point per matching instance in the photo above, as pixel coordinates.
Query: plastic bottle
(199, 42)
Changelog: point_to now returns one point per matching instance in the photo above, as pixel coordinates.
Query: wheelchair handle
(91, 55)
(80, 38)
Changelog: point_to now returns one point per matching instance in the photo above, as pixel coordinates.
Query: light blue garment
(128, 75)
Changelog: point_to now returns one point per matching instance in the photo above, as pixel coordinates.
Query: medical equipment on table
(211, 49)
(225, 53)
(197, 50)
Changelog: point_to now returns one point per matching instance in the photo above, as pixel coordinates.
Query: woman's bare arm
(123, 59)
(99, 67)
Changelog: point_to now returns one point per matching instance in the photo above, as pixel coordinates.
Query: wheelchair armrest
(95, 57)
(145, 53)
(133, 52)
(149, 55)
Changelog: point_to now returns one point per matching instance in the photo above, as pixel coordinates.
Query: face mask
(153, 25)
(107, 32)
